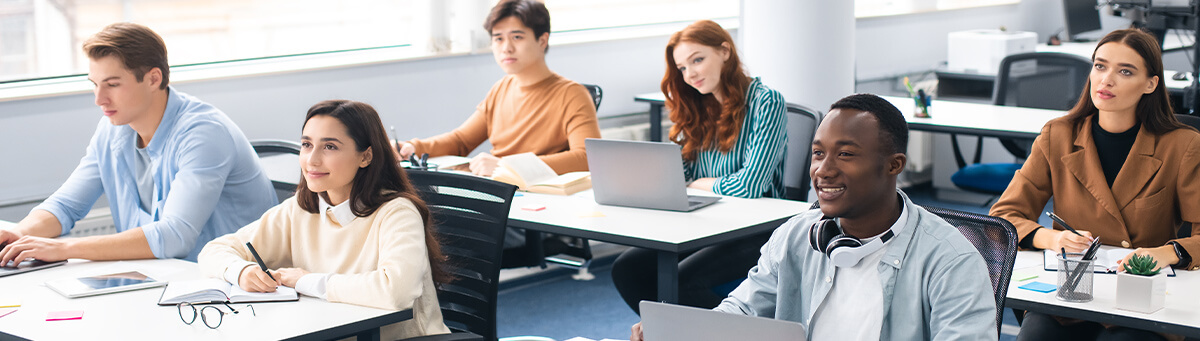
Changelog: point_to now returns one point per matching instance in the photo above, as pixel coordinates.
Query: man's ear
(544, 40)
(896, 163)
(154, 76)
(366, 159)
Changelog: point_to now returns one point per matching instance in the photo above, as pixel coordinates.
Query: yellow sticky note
(10, 302)
(596, 214)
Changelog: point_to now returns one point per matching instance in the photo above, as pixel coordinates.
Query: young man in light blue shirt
(869, 264)
(176, 171)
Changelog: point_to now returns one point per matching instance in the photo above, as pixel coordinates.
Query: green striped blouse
(753, 168)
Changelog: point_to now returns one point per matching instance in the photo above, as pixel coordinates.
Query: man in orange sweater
(532, 109)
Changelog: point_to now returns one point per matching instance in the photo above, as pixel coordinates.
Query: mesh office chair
(470, 215)
(996, 240)
(1032, 80)
(801, 126)
(284, 175)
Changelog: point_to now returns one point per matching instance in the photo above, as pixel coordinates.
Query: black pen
(258, 259)
(1063, 223)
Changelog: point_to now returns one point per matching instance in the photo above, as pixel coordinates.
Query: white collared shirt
(342, 214)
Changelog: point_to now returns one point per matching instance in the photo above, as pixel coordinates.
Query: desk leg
(668, 277)
(656, 122)
(368, 335)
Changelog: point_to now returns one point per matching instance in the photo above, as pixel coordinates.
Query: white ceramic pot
(1143, 294)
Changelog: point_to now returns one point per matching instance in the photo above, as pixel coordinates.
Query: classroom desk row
(137, 315)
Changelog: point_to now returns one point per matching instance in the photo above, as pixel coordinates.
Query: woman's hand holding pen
(1164, 255)
(289, 276)
(254, 279)
(1057, 239)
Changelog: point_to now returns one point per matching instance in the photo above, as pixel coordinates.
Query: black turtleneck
(1113, 148)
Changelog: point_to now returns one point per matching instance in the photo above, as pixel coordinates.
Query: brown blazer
(1154, 193)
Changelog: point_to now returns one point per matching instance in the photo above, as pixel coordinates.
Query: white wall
(47, 136)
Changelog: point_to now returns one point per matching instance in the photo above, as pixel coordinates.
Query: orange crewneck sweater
(551, 118)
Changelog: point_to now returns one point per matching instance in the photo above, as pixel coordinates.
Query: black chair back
(996, 240)
(596, 92)
(284, 181)
(802, 124)
(470, 214)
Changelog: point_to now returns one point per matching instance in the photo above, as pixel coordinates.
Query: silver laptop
(641, 174)
(27, 266)
(669, 322)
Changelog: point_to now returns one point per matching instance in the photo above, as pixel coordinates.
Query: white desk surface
(136, 314)
(656, 96)
(1171, 41)
(580, 211)
(980, 119)
(1182, 304)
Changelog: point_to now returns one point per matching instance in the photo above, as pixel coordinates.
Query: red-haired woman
(733, 132)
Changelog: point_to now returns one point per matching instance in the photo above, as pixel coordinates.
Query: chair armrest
(460, 336)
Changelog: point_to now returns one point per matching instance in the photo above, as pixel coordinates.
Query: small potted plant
(1141, 287)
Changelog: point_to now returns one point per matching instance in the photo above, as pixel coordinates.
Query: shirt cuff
(313, 284)
(234, 272)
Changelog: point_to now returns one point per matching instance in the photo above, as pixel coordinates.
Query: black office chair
(578, 253)
(470, 214)
(283, 181)
(802, 124)
(1033, 80)
(996, 240)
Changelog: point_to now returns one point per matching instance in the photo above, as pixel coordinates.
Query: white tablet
(103, 284)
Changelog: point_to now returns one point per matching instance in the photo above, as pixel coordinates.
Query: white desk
(670, 233)
(136, 314)
(1171, 41)
(976, 119)
(1180, 315)
(657, 101)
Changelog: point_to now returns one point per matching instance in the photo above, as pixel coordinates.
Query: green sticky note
(1024, 275)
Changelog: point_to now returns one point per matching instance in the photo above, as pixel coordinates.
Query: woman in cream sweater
(356, 232)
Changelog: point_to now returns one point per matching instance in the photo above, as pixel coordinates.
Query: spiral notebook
(1106, 260)
(214, 290)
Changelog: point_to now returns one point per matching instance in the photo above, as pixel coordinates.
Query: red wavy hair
(702, 122)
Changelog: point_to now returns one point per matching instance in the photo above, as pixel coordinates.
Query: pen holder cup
(1075, 278)
(920, 108)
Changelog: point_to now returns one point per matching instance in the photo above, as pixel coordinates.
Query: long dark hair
(377, 183)
(701, 122)
(1153, 109)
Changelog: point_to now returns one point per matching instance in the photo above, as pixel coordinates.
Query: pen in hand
(1063, 223)
(258, 259)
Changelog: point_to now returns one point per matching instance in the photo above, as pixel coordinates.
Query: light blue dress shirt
(207, 179)
(935, 284)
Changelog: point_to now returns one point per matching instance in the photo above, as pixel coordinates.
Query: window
(43, 38)
(878, 8)
(575, 15)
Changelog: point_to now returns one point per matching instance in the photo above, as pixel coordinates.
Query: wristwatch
(1181, 253)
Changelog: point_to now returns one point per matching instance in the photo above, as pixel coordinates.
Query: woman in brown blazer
(1119, 166)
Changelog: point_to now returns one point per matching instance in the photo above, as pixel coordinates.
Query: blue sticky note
(517, 195)
(1039, 287)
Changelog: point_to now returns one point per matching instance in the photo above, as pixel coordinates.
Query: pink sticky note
(65, 315)
(533, 208)
(5, 311)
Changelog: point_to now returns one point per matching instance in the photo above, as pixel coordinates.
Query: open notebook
(1106, 259)
(212, 290)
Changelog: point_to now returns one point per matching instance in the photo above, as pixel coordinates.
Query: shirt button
(1125, 244)
(828, 279)
(897, 262)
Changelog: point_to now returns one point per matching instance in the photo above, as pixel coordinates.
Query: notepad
(1039, 287)
(1106, 260)
(214, 290)
(64, 315)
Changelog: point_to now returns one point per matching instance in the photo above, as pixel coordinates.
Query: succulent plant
(1143, 265)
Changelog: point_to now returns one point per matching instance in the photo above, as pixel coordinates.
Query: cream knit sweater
(378, 261)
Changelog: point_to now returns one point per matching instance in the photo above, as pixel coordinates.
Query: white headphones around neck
(843, 250)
